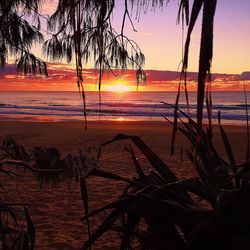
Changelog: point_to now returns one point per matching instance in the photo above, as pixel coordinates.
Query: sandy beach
(56, 212)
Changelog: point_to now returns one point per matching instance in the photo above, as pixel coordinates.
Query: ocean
(117, 106)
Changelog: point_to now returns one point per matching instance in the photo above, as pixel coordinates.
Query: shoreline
(118, 120)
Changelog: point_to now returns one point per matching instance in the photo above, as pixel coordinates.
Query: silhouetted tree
(82, 29)
(18, 35)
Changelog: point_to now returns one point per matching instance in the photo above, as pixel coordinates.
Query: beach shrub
(13, 234)
(158, 211)
(49, 168)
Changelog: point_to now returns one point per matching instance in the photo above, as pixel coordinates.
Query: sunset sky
(161, 41)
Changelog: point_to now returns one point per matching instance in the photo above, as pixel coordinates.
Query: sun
(119, 87)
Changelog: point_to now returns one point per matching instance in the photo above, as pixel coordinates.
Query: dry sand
(56, 212)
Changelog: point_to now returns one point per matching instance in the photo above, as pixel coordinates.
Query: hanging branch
(86, 28)
(76, 17)
(17, 35)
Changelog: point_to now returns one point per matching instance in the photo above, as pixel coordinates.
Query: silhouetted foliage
(158, 211)
(49, 169)
(18, 35)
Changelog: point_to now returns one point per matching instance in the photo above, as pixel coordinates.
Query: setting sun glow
(120, 87)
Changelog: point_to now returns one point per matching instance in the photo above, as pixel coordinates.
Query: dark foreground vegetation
(156, 210)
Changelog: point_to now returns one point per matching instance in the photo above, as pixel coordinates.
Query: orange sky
(62, 78)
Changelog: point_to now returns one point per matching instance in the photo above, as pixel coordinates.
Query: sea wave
(141, 105)
(127, 110)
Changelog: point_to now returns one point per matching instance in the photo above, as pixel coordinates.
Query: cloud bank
(62, 78)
